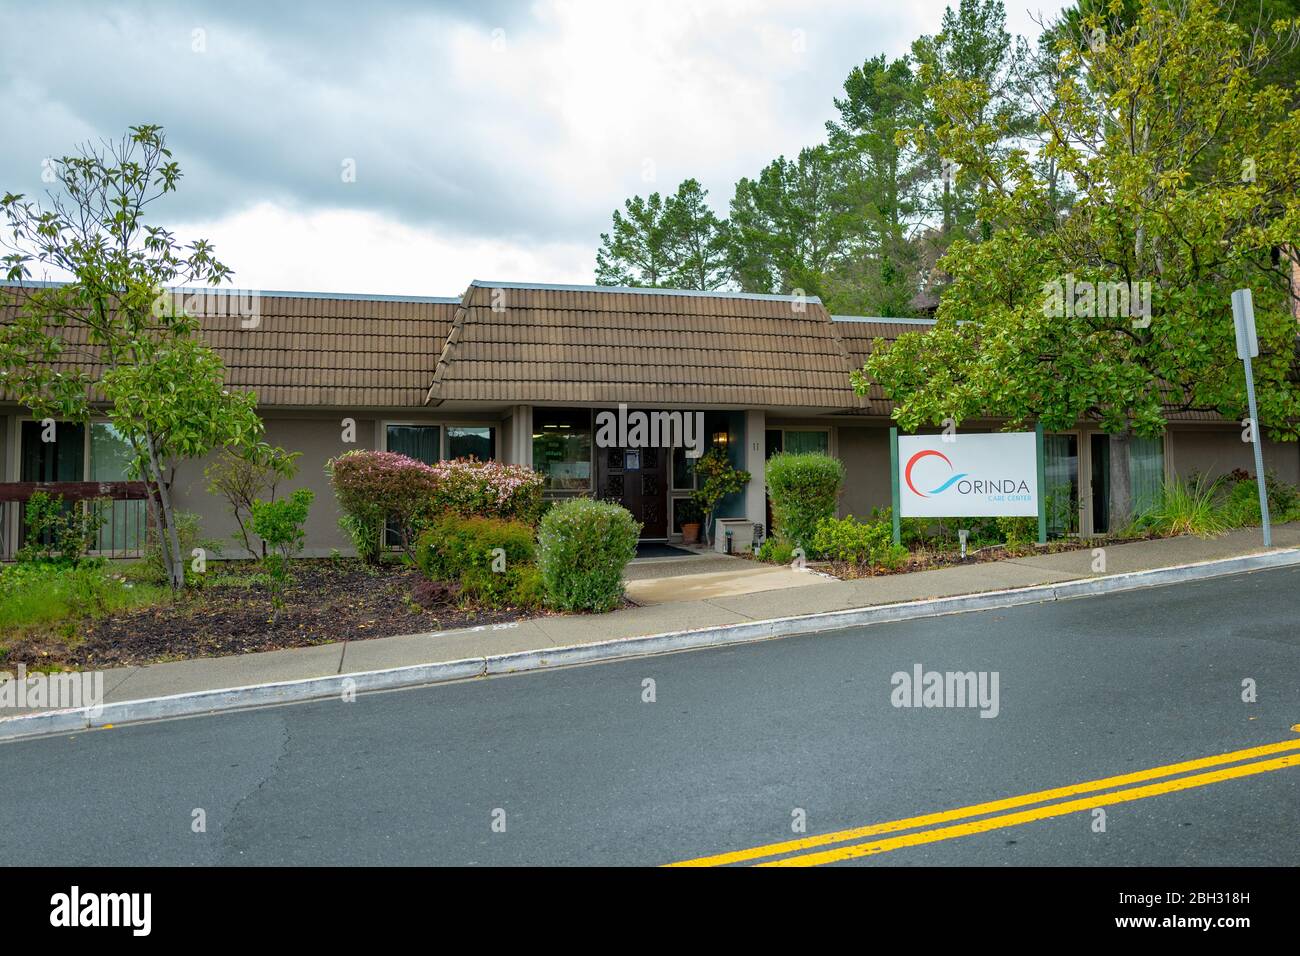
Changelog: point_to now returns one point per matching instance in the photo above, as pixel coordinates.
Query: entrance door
(637, 478)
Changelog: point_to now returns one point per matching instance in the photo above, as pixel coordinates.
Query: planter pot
(690, 534)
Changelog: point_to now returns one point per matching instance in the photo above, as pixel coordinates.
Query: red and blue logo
(911, 463)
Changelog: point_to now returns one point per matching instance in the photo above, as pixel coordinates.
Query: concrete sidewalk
(813, 596)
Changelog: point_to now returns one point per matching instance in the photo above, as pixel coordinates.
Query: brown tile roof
(318, 350)
(562, 344)
(859, 335)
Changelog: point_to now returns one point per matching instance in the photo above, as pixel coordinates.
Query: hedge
(803, 489)
(464, 551)
(583, 547)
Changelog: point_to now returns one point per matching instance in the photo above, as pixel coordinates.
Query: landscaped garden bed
(231, 611)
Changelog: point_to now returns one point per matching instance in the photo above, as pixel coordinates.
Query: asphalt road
(735, 742)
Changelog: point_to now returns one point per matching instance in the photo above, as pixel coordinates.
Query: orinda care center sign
(968, 475)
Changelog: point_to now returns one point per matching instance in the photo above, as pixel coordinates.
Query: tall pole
(1259, 454)
(1243, 318)
(894, 490)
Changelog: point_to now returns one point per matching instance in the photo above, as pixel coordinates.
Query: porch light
(720, 438)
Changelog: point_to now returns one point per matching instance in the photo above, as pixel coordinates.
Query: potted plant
(689, 514)
(717, 478)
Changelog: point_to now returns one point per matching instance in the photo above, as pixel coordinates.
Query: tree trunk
(168, 540)
(1121, 490)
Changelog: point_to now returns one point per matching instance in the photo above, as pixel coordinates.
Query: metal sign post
(1243, 317)
(893, 485)
(1042, 492)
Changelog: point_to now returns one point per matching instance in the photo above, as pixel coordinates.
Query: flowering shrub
(374, 487)
(488, 489)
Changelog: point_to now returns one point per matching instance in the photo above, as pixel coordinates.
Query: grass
(53, 599)
(1207, 508)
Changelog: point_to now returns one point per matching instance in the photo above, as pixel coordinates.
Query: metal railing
(125, 526)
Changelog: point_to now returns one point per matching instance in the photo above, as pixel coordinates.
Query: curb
(416, 675)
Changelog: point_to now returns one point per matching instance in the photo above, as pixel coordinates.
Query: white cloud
(271, 247)
(494, 138)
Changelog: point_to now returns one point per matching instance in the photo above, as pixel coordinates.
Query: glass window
(1146, 469)
(472, 441)
(62, 459)
(110, 460)
(562, 447)
(799, 443)
(1061, 476)
(420, 442)
(683, 470)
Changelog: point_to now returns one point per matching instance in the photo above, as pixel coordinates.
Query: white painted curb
(315, 688)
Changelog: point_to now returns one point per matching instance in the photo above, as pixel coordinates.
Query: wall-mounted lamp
(720, 439)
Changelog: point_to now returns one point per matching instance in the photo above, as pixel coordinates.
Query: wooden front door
(637, 478)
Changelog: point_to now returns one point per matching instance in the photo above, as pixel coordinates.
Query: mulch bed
(328, 601)
(932, 560)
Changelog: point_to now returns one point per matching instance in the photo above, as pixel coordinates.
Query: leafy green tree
(697, 240)
(1186, 178)
(678, 242)
(883, 177)
(109, 338)
(791, 226)
(636, 250)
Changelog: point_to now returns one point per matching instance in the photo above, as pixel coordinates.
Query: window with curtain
(562, 447)
(1146, 471)
(420, 442)
(124, 521)
(800, 443)
(1061, 477)
(472, 441)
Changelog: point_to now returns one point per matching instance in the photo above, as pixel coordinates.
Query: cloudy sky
(488, 139)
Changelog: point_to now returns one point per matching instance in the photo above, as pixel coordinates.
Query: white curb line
(312, 688)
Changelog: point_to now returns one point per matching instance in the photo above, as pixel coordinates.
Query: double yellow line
(934, 827)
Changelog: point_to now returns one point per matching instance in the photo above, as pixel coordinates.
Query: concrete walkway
(698, 604)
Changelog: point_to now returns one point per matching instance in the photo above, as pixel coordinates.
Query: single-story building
(518, 372)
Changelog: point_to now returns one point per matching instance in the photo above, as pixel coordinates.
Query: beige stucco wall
(865, 453)
(1216, 451)
(318, 439)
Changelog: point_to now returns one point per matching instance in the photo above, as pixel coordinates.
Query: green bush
(1240, 507)
(803, 489)
(848, 539)
(1014, 532)
(282, 526)
(776, 551)
(583, 546)
(859, 542)
(59, 531)
(1184, 507)
(465, 551)
(189, 531)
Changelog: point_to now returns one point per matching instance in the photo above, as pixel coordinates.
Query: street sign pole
(893, 484)
(1243, 317)
(1042, 494)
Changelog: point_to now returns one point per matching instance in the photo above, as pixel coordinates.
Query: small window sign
(632, 460)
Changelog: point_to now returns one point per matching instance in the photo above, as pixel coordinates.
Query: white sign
(1243, 317)
(955, 476)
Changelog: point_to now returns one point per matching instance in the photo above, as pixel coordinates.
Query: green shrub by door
(583, 547)
(804, 489)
